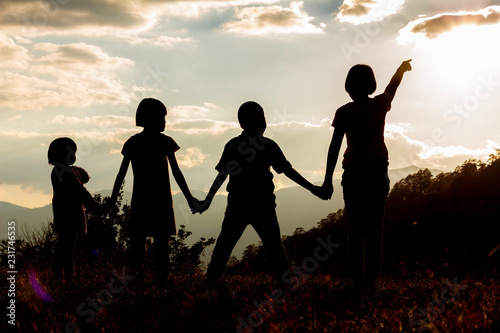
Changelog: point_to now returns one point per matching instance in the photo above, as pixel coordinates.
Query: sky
(79, 68)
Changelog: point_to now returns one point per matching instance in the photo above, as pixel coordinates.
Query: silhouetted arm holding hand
(297, 177)
(119, 180)
(181, 181)
(397, 77)
(218, 181)
(333, 155)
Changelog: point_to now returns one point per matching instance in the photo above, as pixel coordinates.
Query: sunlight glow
(456, 59)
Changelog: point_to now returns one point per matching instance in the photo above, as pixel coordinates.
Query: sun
(457, 59)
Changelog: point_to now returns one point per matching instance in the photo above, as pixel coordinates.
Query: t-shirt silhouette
(151, 206)
(247, 159)
(364, 123)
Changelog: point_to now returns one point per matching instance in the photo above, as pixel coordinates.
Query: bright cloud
(366, 11)
(272, 19)
(404, 150)
(73, 75)
(201, 126)
(13, 55)
(100, 121)
(192, 111)
(192, 157)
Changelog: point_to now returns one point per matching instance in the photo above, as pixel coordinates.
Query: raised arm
(333, 155)
(119, 179)
(397, 77)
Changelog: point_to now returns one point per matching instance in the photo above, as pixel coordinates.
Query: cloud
(366, 11)
(98, 121)
(41, 17)
(192, 157)
(272, 19)
(74, 75)
(201, 126)
(192, 111)
(77, 57)
(432, 27)
(13, 55)
(404, 150)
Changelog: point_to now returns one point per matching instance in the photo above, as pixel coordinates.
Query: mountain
(296, 207)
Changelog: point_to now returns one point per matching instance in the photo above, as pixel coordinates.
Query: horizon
(80, 68)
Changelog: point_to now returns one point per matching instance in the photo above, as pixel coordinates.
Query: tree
(184, 257)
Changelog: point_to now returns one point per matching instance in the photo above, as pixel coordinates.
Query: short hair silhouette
(360, 80)
(251, 117)
(149, 111)
(62, 150)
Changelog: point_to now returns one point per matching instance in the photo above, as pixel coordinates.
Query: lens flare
(38, 288)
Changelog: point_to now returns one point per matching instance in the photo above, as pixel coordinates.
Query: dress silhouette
(150, 153)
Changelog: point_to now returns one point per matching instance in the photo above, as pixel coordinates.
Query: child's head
(62, 151)
(251, 117)
(151, 114)
(360, 81)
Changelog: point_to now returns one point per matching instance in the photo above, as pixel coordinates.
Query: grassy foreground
(106, 300)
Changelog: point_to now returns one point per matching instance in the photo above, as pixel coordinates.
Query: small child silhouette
(251, 201)
(70, 198)
(365, 181)
(152, 212)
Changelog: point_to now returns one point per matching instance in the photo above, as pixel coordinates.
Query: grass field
(105, 300)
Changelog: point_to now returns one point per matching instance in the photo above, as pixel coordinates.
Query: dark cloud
(65, 14)
(436, 25)
(355, 8)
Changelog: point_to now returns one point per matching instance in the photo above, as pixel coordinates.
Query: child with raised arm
(247, 159)
(365, 181)
(68, 204)
(152, 213)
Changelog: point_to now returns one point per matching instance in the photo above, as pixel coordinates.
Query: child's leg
(162, 256)
(355, 236)
(138, 249)
(374, 233)
(355, 208)
(268, 229)
(64, 261)
(231, 231)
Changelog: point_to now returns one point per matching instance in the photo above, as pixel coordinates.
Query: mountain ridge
(296, 207)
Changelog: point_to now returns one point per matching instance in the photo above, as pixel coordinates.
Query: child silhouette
(68, 202)
(247, 159)
(365, 182)
(152, 212)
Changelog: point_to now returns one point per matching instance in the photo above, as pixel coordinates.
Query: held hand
(327, 189)
(405, 66)
(321, 193)
(200, 206)
(318, 191)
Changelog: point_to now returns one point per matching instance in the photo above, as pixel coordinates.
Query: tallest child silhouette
(364, 181)
(152, 212)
